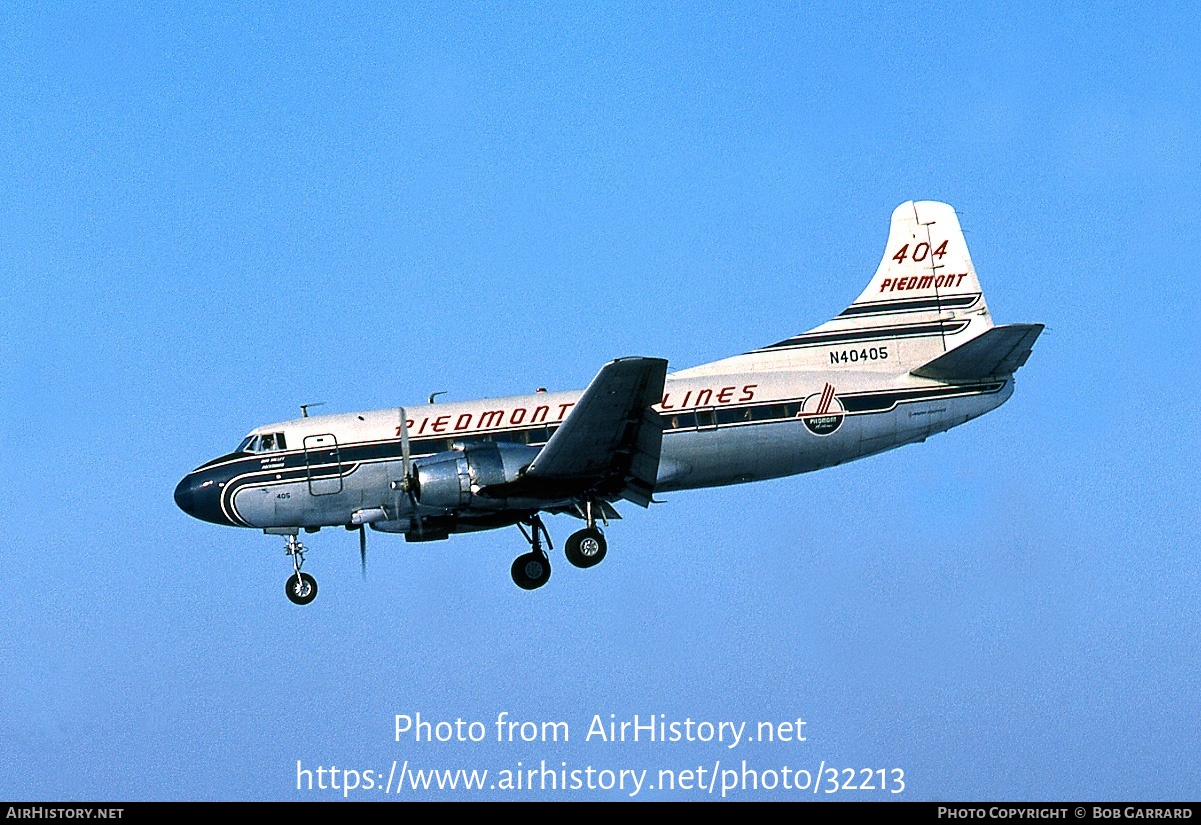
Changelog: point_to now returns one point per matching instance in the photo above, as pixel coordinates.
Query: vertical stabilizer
(923, 301)
(925, 266)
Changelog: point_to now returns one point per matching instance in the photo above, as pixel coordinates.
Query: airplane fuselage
(717, 430)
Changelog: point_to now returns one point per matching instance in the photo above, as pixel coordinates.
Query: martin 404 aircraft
(916, 354)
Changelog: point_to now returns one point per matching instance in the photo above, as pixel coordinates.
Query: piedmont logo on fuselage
(822, 412)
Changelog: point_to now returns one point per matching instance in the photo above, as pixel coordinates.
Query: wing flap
(998, 352)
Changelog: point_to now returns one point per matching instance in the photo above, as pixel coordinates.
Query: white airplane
(914, 355)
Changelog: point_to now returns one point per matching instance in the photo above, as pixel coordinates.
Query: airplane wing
(609, 444)
(998, 352)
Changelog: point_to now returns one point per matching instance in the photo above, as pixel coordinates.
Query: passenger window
(683, 421)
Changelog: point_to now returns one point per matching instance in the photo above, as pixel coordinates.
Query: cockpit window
(268, 442)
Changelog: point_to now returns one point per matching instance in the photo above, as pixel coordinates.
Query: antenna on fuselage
(434, 395)
(304, 408)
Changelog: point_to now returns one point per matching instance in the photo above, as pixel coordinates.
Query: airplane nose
(199, 495)
(184, 499)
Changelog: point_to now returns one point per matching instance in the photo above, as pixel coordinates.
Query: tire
(530, 571)
(301, 590)
(586, 548)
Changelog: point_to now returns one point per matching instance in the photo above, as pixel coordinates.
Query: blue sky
(214, 214)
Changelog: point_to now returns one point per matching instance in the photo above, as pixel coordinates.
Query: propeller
(363, 549)
(408, 481)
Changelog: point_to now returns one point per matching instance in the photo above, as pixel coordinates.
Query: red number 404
(920, 252)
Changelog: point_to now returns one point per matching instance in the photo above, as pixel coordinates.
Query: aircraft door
(324, 464)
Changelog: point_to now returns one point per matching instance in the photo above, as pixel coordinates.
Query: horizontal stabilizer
(996, 353)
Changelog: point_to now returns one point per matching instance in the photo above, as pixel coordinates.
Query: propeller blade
(416, 517)
(363, 549)
(407, 464)
(404, 443)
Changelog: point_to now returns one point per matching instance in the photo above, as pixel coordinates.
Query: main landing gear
(586, 547)
(301, 587)
(532, 570)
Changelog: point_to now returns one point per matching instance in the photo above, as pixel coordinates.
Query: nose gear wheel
(301, 587)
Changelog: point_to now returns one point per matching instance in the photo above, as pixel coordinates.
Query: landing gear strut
(301, 587)
(532, 570)
(586, 547)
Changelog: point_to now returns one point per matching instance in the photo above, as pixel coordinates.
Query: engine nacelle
(453, 480)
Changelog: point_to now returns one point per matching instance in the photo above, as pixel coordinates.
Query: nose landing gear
(301, 587)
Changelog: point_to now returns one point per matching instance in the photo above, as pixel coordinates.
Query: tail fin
(926, 267)
(923, 301)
